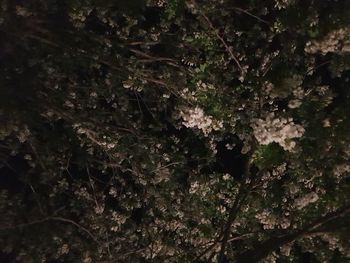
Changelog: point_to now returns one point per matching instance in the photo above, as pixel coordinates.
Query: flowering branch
(228, 49)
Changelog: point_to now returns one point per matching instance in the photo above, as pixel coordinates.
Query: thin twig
(74, 223)
(122, 255)
(36, 199)
(165, 166)
(80, 51)
(317, 67)
(252, 15)
(137, 43)
(53, 218)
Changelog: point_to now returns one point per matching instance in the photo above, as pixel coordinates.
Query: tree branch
(52, 218)
(228, 49)
(261, 250)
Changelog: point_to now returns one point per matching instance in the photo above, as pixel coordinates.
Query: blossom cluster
(278, 130)
(196, 118)
(271, 221)
(283, 4)
(305, 200)
(341, 169)
(335, 41)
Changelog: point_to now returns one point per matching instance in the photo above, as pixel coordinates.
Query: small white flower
(294, 104)
(326, 123)
(229, 146)
(194, 187)
(305, 200)
(226, 177)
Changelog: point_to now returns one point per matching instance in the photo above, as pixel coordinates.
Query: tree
(174, 131)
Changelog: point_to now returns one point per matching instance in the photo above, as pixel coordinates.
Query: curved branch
(53, 218)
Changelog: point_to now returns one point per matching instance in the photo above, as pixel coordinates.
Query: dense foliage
(175, 131)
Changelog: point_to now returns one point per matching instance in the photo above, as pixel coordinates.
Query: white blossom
(196, 118)
(335, 41)
(194, 187)
(294, 104)
(271, 221)
(305, 200)
(341, 169)
(279, 130)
